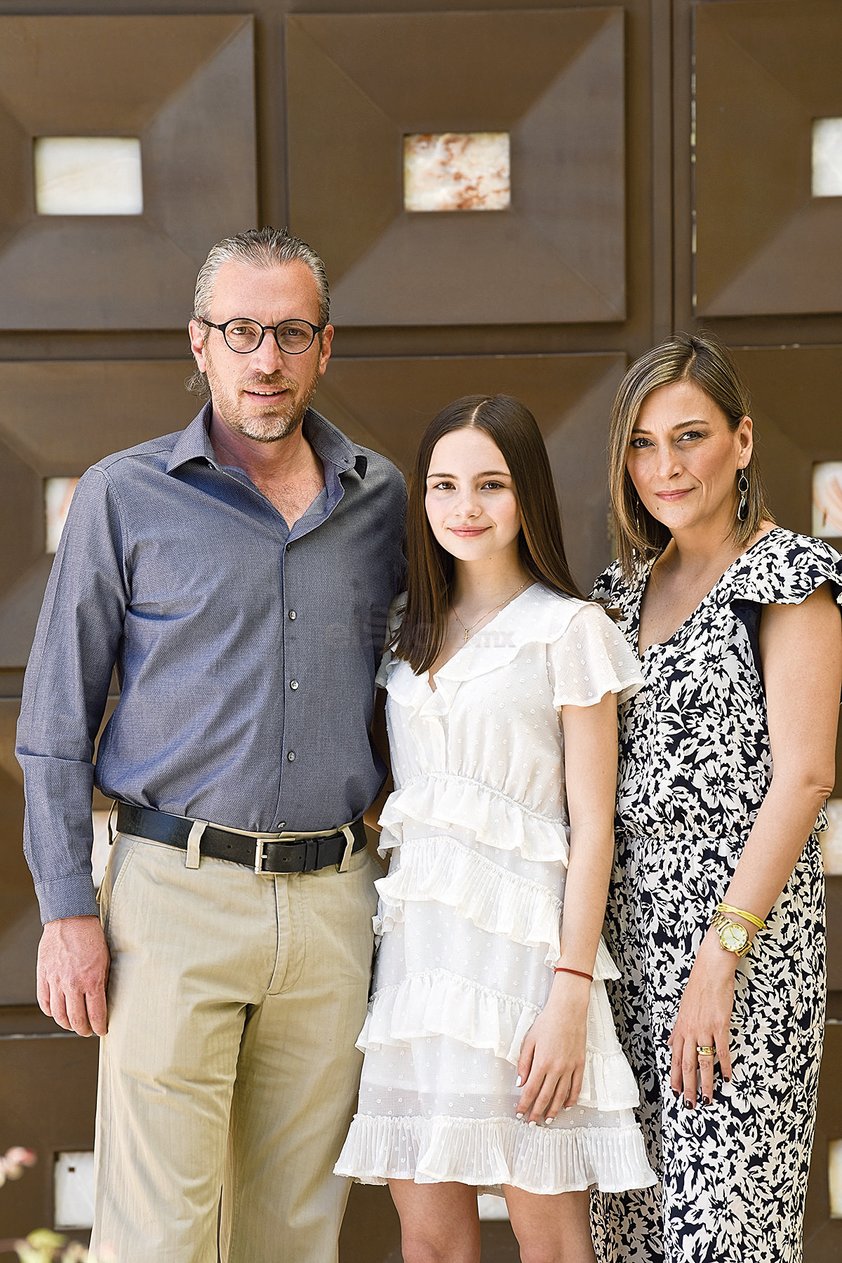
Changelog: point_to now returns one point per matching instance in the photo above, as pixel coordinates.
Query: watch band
(726, 928)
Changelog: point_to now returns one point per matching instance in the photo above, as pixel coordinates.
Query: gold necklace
(494, 608)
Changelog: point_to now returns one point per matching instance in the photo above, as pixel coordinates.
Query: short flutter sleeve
(591, 658)
(784, 569)
(393, 622)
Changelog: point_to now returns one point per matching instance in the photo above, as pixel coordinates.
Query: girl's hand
(704, 1020)
(552, 1058)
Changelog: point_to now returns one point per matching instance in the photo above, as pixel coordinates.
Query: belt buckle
(342, 866)
(260, 856)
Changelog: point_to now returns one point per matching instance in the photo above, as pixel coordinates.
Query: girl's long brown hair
(515, 431)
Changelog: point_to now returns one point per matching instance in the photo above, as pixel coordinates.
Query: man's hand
(73, 963)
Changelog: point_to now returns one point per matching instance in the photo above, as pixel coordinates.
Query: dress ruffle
(496, 1151)
(586, 655)
(442, 800)
(441, 870)
(438, 1002)
(808, 564)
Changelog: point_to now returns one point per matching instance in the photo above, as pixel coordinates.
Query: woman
(490, 1055)
(726, 758)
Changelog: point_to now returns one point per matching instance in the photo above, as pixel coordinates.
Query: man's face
(265, 394)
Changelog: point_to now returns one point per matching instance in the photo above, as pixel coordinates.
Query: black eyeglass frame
(264, 329)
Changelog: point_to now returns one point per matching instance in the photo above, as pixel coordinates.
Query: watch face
(733, 937)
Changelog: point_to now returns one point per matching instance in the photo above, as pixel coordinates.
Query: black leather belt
(262, 852)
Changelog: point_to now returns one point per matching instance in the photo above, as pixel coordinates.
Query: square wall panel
(766, 72)
(47, 1104)
(179, 89)
(56, 419)
(387, 403)
(552, 81)
(796, 412)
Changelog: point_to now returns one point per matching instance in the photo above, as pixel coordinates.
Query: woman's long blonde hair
(702, 359)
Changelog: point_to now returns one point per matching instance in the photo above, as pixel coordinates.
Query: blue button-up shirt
(245, 651)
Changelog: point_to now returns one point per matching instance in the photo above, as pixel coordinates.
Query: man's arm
(64, 696)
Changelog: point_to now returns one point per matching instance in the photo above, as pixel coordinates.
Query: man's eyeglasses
(294, 337)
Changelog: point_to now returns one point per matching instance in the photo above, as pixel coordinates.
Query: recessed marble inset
(831, 839)
(73, 1190)
(58, 492)
(827, 499)
(456, 171)
(827, 157)
(834, 1178)
(88, 175)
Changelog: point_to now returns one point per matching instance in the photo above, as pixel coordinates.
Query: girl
(490, 1055)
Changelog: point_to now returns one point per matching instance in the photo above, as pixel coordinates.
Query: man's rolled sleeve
(65, 690)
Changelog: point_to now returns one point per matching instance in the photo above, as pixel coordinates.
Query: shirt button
(293, 685)
(282, 824)
(292, 614)
(291, 756)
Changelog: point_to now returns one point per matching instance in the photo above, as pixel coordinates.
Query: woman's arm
(801, 652)
(552, 1058)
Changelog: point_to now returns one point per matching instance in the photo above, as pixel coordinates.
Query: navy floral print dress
(695, 765)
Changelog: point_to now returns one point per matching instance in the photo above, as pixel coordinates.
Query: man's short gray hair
(261, 248)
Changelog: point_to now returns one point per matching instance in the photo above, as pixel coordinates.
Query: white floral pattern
(695, 766)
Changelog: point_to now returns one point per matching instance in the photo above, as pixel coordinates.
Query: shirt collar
(331, 445)
(194, 443)
(327, 442)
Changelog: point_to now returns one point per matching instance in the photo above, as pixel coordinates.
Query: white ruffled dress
(470, 913)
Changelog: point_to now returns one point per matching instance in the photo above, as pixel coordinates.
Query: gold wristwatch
(733, 937)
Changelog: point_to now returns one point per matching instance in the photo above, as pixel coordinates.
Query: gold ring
(705, 1050)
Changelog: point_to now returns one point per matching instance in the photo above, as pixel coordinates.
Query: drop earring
(742, 487)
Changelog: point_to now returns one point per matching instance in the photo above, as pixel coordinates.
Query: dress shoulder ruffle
(587, 655)
(591, 658)
(783, 568)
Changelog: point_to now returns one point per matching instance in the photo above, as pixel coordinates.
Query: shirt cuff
(66, 897)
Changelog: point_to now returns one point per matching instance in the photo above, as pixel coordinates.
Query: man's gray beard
(272, 429)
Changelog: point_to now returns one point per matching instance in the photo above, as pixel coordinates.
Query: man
(237, 574)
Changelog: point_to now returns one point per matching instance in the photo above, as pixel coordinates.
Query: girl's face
(684, 458)
(470, 498)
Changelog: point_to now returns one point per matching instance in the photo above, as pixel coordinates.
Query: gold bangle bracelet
(740, 912)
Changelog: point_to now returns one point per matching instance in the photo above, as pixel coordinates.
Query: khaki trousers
(229, 1069)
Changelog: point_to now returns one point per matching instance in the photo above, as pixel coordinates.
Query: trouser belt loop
(194, 843)
(109, 824)
(342, 866)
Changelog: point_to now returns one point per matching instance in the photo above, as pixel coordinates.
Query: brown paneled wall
(642, 199)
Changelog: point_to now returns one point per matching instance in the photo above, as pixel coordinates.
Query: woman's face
(470, 497)
(683, 458)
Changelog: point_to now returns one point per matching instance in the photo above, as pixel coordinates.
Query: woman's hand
(704, 1020)
(552, 1058)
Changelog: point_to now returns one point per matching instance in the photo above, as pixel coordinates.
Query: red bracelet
(562, 969)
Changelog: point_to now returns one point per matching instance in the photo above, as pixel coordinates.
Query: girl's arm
(801, 652)
(552, 1058)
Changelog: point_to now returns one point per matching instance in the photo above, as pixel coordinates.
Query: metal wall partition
(514, 197)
